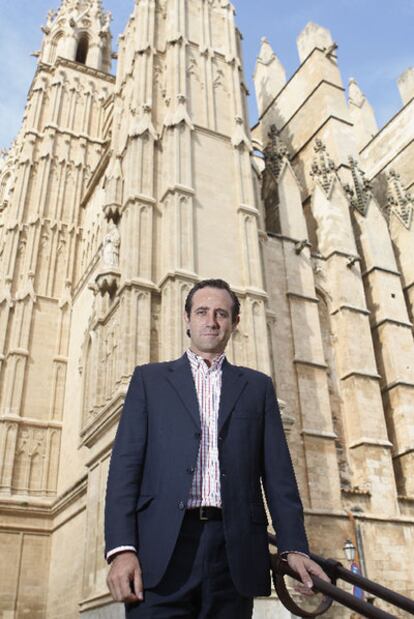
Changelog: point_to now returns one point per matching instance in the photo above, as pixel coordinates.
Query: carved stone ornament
(400, 203)
(180, 115)
(142, 123)
(110, 248)
(287, 420)
(360, 192)
(239, 137)
(323, 167)
(27, 289)
(6, 293)
(107, 281)
(49, 21)
(275, 153)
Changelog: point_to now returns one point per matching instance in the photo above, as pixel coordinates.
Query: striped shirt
(205, 488)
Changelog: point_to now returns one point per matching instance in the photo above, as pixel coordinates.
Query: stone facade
(116, 196)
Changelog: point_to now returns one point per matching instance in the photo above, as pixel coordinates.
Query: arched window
(82, 51)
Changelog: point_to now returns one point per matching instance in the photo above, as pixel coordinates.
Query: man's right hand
(125, 578)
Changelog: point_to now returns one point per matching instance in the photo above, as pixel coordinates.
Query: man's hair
(213, 283)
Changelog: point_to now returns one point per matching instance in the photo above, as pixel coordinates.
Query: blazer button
(181, 505)
(197, 435)
(190, 469)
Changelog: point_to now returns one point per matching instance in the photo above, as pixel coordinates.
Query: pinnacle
(312, 27)
(266, 53)
(313, 35)
(355, 93)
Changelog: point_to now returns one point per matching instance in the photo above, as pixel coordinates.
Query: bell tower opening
(82, 50)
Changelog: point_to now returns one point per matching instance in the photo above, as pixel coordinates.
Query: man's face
(210, 321)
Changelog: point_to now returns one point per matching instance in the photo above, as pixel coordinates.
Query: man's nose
(212, 319)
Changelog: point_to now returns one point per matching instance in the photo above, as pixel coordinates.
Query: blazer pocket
(143, 501)
(258, 513)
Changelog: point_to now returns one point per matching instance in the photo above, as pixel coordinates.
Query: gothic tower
(44, 177)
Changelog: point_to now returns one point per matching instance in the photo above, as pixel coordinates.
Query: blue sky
(375, 39)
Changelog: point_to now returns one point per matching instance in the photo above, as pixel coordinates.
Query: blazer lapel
(233, 383)
(181, 379)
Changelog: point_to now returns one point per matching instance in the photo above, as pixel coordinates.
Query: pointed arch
(54, 47)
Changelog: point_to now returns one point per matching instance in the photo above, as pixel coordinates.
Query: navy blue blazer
(154, 456)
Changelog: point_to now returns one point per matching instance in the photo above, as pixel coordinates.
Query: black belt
(205, 513)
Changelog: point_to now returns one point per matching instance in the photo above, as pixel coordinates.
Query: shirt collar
(196, 361)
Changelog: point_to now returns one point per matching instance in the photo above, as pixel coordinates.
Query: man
(186, 527)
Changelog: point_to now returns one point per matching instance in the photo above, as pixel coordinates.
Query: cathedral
(117, 195)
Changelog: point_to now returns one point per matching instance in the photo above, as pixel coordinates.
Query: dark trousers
(197, 583)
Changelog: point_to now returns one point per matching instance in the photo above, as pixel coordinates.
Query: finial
(360, 192)
(323, 167)
(399, 201)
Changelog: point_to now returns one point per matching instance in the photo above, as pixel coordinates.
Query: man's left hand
(305, 567)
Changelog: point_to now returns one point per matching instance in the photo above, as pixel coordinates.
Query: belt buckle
(203, 511)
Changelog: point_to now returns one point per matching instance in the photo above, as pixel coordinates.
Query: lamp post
(349, 550)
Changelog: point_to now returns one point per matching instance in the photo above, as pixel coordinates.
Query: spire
(269, 76)
(406, 85)
(313, 36)
(78, 31)
(362, 114)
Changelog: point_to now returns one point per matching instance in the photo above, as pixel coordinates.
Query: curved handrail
(388, 595)
(335, 570)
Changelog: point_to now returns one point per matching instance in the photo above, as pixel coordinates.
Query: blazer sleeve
(125, 470)
(279, 481)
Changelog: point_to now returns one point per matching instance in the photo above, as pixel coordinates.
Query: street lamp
(349, 550)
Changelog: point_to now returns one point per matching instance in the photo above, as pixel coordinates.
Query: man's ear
(236, 324)
(187, 322)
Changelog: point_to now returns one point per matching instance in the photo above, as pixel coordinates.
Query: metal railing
(335, 570)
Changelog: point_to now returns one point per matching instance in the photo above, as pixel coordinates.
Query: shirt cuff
(285, 553)
(111, 553)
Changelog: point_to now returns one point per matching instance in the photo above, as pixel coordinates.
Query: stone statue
(110, 247)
